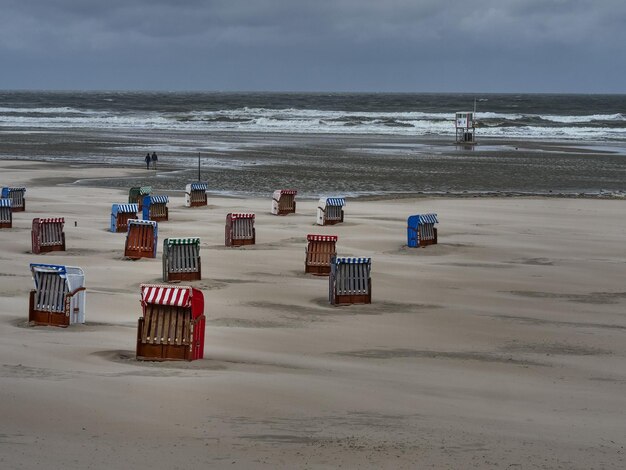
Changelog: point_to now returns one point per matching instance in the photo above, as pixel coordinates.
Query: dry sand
(501, 347)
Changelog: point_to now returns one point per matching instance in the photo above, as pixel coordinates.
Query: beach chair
(172, 324)
(181, 259)
(6, 214)
(319, 252)
(330, 210)
(240, 229)
(47, 235)
(121, 214)
(136, 195)
(58, 298)
(421, 230)
(141, 239)
(195, 194)
(349, 281)
(284, 201)
(155, 208)
(18, 200)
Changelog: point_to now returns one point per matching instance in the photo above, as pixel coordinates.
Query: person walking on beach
(155, 159)
(147, 159)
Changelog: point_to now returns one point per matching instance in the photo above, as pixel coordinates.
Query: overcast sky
(315, 45)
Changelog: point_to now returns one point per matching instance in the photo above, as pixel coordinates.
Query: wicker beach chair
(421, 230)
(319, 252)
(121, 214)
(172, 324)
(17, 196)
(350, 281)
(47, 235)
(136, 195)
(239, 229)
(58, 298)
(141, 239)
(155, 208)
(195, 194)
(6, 214)
(330, 210)
(284, 201)
(181, 259)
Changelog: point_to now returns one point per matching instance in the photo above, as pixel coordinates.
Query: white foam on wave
(298, 121)
(49, 110)
(587, 118)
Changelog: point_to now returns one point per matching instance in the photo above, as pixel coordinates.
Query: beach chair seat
(195, 194)
(121, 214)
(58, 298)
(172, 324)
(350, 281)
(421, 230)
(330, 210)
(136, 195)
(319, 252)
(141, 239)
(284, 201)
(181, 259)
(240, 229)
(17, 197)
(47, 235)
(6, 213)
(155, 208)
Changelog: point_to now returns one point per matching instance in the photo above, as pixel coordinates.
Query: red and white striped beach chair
(239, 229)
(284, 201)
(172, 324)
(47, 235)
(319, 252)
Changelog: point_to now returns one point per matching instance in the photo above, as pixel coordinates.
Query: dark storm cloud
(516, 45)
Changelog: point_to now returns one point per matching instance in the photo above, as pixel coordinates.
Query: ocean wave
(293, 120)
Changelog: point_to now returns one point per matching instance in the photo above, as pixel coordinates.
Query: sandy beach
(500, 347)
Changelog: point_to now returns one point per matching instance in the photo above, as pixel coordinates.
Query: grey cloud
(364, 42)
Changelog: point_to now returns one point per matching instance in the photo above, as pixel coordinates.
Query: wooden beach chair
(155, 208)
(349, 281)
(141, 239)
(58, 298)
(181, 259)
(421, 230)
(319, 251)
(136, 195)
(284, 201)
(6, 214)
(330, 210)
(121, 214)
(195, 194)
(172, 324)
(240, 229)
(18, 199)
(47, 235)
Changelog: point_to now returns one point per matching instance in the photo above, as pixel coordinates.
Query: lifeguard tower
(465, 124)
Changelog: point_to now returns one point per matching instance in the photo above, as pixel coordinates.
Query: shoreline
(132, 172)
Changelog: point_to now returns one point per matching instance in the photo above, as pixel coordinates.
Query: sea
(342, 144)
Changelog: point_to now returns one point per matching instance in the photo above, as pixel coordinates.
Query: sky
(543, 46)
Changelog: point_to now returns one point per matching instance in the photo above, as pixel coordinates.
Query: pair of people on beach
(154, 159)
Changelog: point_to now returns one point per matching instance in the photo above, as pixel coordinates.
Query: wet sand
(502, 346)
(390, 166)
